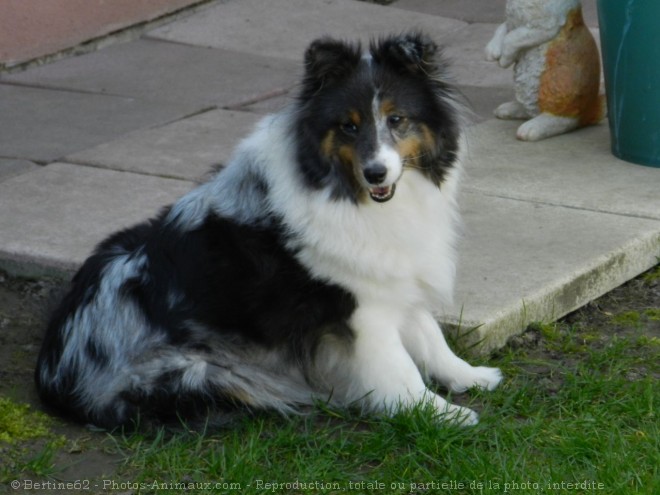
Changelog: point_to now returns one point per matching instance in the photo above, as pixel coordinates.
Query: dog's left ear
(413, 53)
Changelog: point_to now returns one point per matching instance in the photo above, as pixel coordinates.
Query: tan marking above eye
(391, 114)
(387, 107)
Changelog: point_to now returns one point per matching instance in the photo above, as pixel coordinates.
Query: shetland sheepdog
(309, 269)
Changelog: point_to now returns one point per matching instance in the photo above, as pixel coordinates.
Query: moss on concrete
(19, 423)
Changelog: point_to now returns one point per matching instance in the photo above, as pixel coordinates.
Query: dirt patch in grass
(629, 312)
(71, 452)
(54, 448)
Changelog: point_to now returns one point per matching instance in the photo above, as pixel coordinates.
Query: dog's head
(363, 118)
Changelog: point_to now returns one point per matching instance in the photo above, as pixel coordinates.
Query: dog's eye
(349, 128)
(394, 120)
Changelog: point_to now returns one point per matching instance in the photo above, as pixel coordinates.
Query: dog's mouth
(382, 194)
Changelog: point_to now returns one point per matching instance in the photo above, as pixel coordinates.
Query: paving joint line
(474, 190)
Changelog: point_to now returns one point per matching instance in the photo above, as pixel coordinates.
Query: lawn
(576, 413)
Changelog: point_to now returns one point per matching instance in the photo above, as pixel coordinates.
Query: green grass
(592, 421)
(27, 443)
(577, 413)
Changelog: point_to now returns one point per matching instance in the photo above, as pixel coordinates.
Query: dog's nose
(375, 173)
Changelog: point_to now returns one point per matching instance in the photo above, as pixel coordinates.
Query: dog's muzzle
(375, 174)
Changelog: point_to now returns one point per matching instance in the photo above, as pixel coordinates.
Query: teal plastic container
(630, 42)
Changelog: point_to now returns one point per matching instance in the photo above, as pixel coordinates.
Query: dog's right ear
(329, 61)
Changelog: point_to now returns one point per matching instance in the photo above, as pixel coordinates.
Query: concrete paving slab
(51, 218)
(576, 170)
(154, 70)
(479, 10)
(11, 168)
(483, 101)
(548, 225)
(270, 105)
(465, 51)
(44, 125)
(464, 10)
(284, 28)
(185, 149)
(522, 262)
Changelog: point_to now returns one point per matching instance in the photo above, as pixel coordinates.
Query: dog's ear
(328, 60)
(413, 53)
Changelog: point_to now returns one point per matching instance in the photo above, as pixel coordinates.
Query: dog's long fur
(308, 269)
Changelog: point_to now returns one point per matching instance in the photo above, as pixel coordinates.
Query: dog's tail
(174, 381)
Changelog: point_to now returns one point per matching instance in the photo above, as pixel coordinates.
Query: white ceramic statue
(556, 67)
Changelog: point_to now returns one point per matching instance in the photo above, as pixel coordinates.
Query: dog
(308, 269)
(556, 67)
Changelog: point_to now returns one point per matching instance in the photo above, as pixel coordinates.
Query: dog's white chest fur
(399, 252)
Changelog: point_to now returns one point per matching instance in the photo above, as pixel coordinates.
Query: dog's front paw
(459, 416)
(488, 378)
(478, 377)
